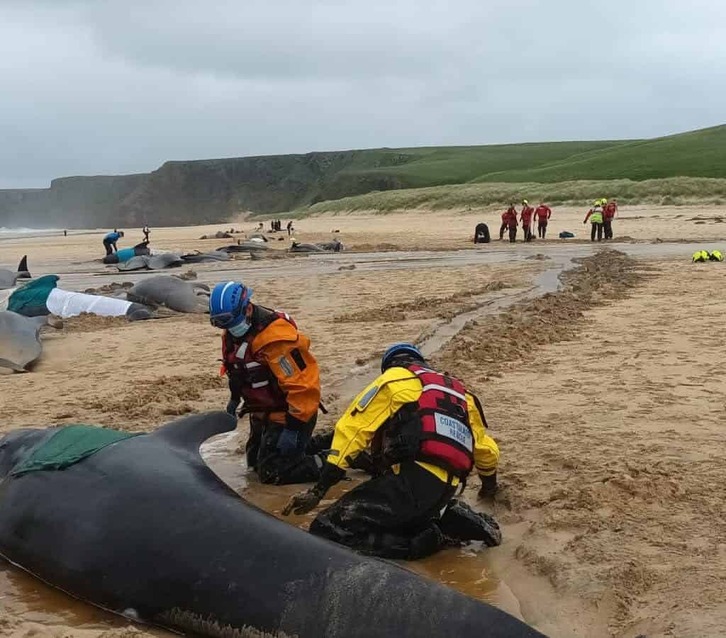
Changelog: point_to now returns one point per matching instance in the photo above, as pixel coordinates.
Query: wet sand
(607, 410)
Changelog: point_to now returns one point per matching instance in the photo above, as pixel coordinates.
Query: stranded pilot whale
(143, 528)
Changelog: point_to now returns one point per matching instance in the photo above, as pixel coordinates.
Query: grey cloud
(108, 87)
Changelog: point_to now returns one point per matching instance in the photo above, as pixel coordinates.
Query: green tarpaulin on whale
(69, 445)
(30, 299)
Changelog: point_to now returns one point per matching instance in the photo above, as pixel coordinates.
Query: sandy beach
(607, 397)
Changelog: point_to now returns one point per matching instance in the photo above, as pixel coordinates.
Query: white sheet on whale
(69, 304)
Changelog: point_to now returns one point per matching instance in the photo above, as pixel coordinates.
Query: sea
(17, 233)
(30, 231)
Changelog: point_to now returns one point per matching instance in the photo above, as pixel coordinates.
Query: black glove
(232, 406)
(302, 503)
(488, 486)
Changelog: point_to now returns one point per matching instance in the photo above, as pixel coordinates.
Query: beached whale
(8, 278)
(172, 292)
(42, 297)
(200, 258)
(305, 248)
(124, 254)
(143, 528)
(151, 262)
(19, 340)
(220, 234)
(244, 247)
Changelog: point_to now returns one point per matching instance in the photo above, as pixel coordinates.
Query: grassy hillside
(210, 191)
(673, 191)
(418, 167)
(696, 154)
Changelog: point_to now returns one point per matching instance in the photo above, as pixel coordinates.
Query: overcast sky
(119, 86)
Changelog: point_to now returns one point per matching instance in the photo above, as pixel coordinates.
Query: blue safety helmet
(228, 304)
(398, 349)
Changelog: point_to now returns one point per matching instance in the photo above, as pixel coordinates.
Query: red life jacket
(248, 373)
(445, 436)
(509, 217)
(542, 213)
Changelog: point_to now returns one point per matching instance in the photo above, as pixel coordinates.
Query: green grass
(671, 191)
(677, 169)
(418, 167)
(699, 153)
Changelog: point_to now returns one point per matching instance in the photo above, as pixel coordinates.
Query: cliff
(198, 192)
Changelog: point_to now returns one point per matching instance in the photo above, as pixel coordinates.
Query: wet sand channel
(472, 569)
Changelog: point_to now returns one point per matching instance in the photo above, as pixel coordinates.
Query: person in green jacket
(596, 221)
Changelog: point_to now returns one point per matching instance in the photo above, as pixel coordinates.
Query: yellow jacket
(372, 408)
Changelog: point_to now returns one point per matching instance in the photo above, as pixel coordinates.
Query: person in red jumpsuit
(608, 214)
(526, 219)
(509, 221)
(542, 214)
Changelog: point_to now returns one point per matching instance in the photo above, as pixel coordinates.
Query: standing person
(289, 228)
(596, 219)
(509, 221)
(542, 214)
(109, 241)
(269, 366)
(430, 433)
(146, 232)
(526, 219)
(609, 211)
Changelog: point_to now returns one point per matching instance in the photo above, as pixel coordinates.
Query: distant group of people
(601, 217)
(276, 226)
(110, 239)
(511, 218)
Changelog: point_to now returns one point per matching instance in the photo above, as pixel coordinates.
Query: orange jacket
(284, 353)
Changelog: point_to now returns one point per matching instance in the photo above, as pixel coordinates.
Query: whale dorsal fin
(23, 272)
(191, 431)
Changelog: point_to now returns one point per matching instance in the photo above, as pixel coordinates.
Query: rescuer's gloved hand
(303, 502)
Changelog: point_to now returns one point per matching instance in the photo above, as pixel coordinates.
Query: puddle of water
(220, 453)
(31, 600)
(469, 571)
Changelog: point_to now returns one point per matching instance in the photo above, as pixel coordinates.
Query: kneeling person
(430, 433)
(269, 366)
